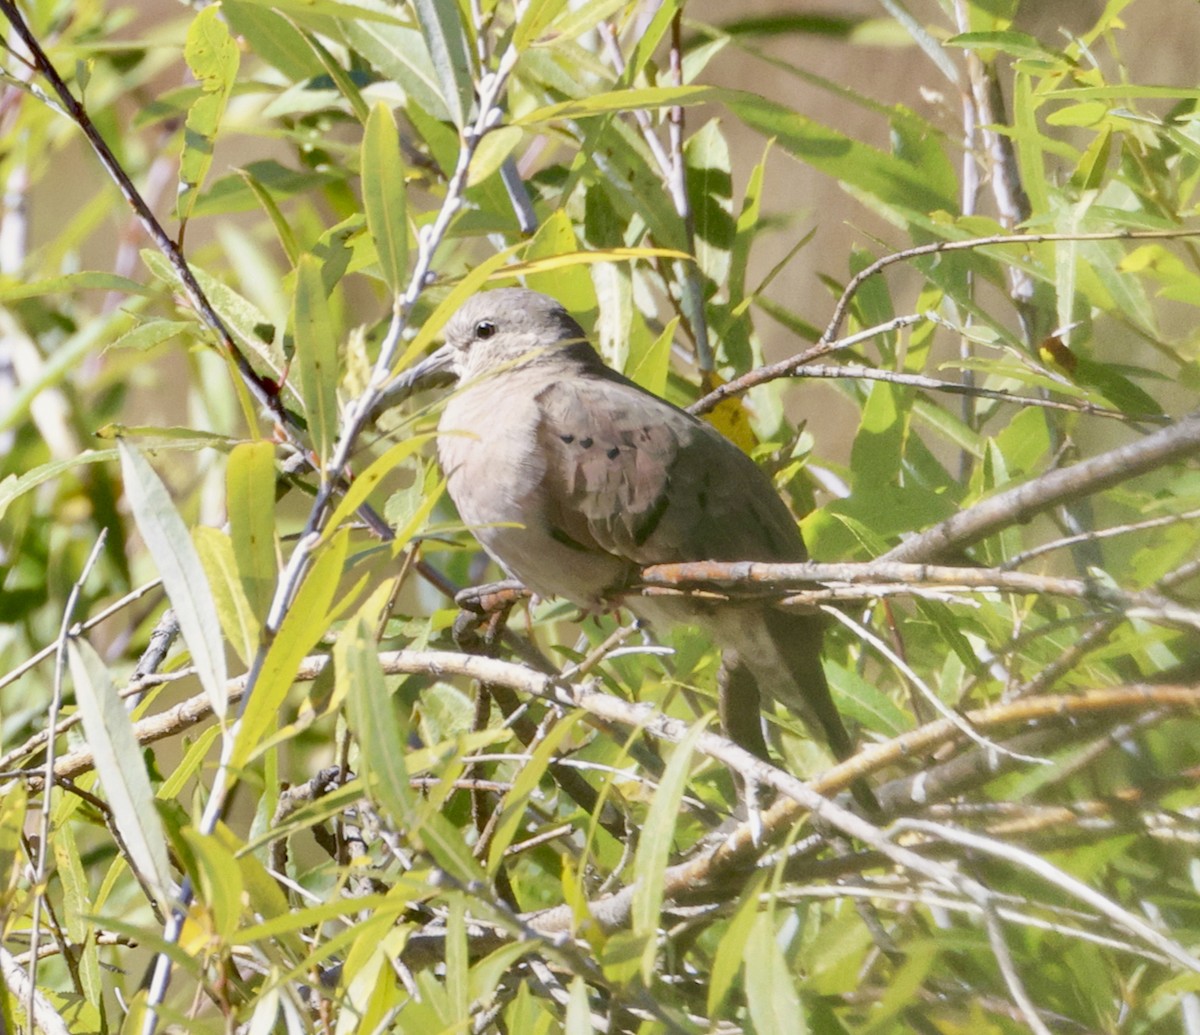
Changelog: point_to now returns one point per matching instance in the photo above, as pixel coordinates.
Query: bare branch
(1014, 506)
(940, 247)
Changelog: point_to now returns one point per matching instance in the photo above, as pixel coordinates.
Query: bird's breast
(496, 474)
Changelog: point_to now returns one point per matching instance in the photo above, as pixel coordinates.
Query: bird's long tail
(782, 661)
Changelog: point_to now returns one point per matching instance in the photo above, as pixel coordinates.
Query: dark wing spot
(645, 528)
(586, 443)
(568, 439)
(614, 452)
(559, 536)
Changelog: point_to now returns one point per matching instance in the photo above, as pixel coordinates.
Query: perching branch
(851, 581)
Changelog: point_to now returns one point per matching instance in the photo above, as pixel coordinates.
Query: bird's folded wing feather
(632, 475)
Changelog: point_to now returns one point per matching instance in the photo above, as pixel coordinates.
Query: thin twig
(1015, 506)
(76, 630)
(1051, 874)
(673, 170)
(788, 367)
(864, 373)
(1095, 536)
(940, 247)
(927, 692)
(41, 1012)
(883, 577)
(60, 663)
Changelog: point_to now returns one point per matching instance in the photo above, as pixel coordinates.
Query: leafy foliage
(410, 821)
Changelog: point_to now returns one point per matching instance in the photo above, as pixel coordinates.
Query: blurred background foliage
(699, 184)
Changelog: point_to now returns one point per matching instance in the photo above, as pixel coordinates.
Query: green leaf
(537, 15)
(86, 279)
(344, 82)
(731, 950)
(399, 54)
(283, 229)
(1091, 172)
(493, 150)
(578, 1019)
(1008, 41)
(442, 28)
(219, 881)
(316, 351)
(577, 20)
(861, 700)
(272, 37)
(775, 1008)
(384, 195)
(365, 483)
(122, 772)
(146, 336)
(515, 805)
(650, 364)
(373, 714)
(710, 188)
(655, 843)
(78, 908)
(571, 284)
(13, 487)
(622, 100)
(237, 619)
(304, 624)
(250, 504)
(899, 189)
(245, 321)
(879, 444)
(182, 573)
(213, 58)
(747, 229)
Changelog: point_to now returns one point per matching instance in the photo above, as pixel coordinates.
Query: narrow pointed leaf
(654, 846)
(122, 772)
(301, 628)
(182, 573)
(384, 197)
(316, 351)
(441, 25)
(250, 501)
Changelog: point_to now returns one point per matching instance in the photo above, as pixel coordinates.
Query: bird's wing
(632, 475)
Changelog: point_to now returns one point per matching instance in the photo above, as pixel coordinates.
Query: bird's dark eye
(485, 329)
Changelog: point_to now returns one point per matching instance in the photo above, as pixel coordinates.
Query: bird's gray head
(508, 327)
(495, 331)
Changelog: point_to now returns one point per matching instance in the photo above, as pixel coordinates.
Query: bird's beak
(434, 370)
